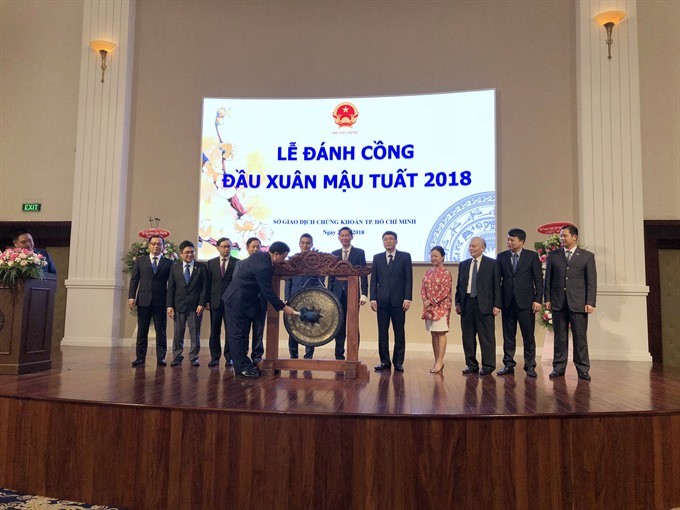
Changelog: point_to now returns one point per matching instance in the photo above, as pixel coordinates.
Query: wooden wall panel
(148, 458)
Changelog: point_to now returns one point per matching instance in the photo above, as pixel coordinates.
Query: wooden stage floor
(104, 376)
(93, 428)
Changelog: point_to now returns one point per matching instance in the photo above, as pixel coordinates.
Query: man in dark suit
(295, 284)
(391, 294)
(23, 239)
(246, 297)
(356, 257)
(220, 271)
(570, 292)
(186, 300)
(522, 293)
(478, 301)
(253, 245)
(148, 286)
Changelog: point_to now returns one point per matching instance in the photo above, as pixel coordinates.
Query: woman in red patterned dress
(436, 294)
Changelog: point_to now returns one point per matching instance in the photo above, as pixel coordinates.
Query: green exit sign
(32, 207)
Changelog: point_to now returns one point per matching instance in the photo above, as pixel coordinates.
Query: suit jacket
(575, 282)
(488, 284)
(356, 257)
(297, 283)
(50, 267)
(526, 284)
(183, 297)
(217, 283)
(147, 288)
(251, 286)
(394, 284)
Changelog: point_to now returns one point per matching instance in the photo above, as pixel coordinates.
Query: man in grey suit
(186, 300)
(356, 257)
(220, 272)
(570, 292)
(148, 286)
(391, 294)
(478, 301)
(522, 292)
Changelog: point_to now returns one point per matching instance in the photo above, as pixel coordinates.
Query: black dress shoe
(213, 362)
(138, 363)
(399, 368)
(293, 356)
(531, 372)
(382, 366)
(486, 371)
(248, 373)
(555, 374)
(506, 371)
(584, 375)
(308, 356)
(229, 363)
(175, 362)
(162, 363)
(195, 363)
(470, 370)
(339, 358)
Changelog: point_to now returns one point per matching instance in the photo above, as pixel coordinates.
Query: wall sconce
(103, 47)
(608, 19)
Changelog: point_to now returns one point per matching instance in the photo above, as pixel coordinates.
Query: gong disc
(319, 319)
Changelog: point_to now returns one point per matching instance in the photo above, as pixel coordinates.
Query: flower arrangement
(17, 263)
(544, 247)
(545, 318)
(141, 249)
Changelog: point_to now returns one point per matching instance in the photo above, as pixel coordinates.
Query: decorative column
(610, 180)
(94, 284)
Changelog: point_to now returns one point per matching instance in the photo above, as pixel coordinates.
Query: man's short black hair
(389, 233)
(518, 233)
(279, 247)
(308, 236)
(185, 244)
(252, 240)
(18, 232)
(222, 239)
(573, 229)
(347, 229)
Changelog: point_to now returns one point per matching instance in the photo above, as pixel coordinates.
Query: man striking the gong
(246, 297)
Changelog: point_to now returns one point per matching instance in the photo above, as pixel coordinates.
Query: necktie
(223, 267)
(514, 262)
(345, 254)
(568, 254)
(187, 274)
(154, 265)
(389, 260)
(473, 283)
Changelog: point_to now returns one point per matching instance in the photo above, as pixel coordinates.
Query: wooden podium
(26, 315)
(317, 264)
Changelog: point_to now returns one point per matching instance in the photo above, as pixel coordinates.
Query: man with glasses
(187, 296)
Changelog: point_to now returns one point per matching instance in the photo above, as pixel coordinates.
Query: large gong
(318, 320)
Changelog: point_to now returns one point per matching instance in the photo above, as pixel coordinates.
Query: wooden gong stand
(317, 264)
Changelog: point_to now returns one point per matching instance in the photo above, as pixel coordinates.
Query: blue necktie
(514, 262)
(473, 283)
(187, 274)
(154, 265)
(389, 260)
